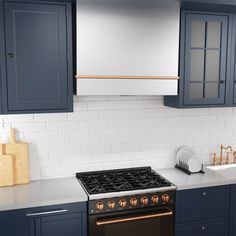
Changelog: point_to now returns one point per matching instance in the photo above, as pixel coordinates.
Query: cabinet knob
(203, 227)
(204, 194)
(11, 55)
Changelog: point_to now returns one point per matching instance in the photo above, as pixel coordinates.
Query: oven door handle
(133, 218)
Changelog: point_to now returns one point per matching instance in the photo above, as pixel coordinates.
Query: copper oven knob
(144, 200)
(123, 203)
(111, 204)
(166, 198)
(134, 202)
(99, 206)
(155, 199)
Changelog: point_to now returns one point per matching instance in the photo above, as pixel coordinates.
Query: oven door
(148, 222)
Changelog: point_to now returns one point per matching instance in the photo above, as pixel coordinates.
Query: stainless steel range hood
(127, 47)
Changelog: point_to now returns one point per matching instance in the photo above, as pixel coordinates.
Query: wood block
(6, 169)
(21, 161)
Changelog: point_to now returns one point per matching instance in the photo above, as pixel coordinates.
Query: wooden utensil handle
(13, 135)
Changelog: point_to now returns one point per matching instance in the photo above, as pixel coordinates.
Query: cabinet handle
(46, 213)
(11, 55)
(203, 227)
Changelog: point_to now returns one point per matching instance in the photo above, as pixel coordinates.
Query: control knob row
(133, 202)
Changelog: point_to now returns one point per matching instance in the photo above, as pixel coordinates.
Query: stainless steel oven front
(140, 221)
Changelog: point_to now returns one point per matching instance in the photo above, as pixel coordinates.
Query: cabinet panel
(20, 227)
(36, 57)
(205, 59)
(215, 227)
(60, 225)
(232, 228)
(202, 203)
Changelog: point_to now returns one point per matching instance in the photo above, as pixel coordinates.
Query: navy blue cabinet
(58, 220)
(232, 228)
(205, 61)
(203, 212)
(215, 227)
(36, 57)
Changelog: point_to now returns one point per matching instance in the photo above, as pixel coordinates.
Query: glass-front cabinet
(205, 59)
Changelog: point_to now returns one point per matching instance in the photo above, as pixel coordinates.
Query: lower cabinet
(214, 227)
(57, 220)
(203, 212)
(232, 228)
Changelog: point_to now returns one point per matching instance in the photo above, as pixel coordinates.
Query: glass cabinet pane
(213, 34)
(196, 90)
(197, 65)
(212, 90)
(198, 34)
(212, 65)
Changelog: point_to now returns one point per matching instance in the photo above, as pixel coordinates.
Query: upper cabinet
(205, 59)
(36, 57)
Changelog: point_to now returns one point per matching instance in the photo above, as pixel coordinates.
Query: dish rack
(187, 161)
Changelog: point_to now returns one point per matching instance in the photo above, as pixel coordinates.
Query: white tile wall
(115, 132)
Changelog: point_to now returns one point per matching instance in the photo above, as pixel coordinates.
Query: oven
(129, 202)
(153, 222)
(142, 215)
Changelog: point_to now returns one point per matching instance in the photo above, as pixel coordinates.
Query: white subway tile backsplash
(83, 115)
(61, 125)
(50, 117)
(107, 132)
(116, 139)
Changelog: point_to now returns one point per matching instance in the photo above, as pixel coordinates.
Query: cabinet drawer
(201, 203)
(214, 227)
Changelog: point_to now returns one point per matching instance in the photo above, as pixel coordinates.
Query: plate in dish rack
(183, 154)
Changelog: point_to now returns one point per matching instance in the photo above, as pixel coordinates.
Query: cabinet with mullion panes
(205, 59)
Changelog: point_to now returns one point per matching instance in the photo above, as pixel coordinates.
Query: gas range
(120, 198)
(123, 182)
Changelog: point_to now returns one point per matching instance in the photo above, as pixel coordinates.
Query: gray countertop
(42, 193)
(68, 190)
(208, 179)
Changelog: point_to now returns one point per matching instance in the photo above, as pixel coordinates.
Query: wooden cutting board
(6, 169)
(21, 163)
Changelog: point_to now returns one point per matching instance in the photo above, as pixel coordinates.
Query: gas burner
(121, 180)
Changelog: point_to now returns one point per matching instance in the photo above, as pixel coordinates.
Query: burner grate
(121, 180)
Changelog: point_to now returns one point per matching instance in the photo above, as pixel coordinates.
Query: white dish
(194, 164)
(180, 153)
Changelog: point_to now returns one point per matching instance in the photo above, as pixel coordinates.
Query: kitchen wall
(116, 132)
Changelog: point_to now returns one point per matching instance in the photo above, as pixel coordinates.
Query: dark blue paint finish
(202, 203)
(224, 37)
(226, 89)
(203, 211)
(38, 57)
(73, 222)
(215, 227)
(232, 227)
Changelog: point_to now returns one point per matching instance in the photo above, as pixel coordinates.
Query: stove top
(121, 180)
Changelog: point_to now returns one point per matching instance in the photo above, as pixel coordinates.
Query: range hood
(127, 47)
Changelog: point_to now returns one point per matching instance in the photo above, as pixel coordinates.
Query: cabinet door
(15, 223)
(205, 59)
(61, 225)
(20, 227)
(232, 228)
(36, 57)
(214, 227)
(206, 203)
